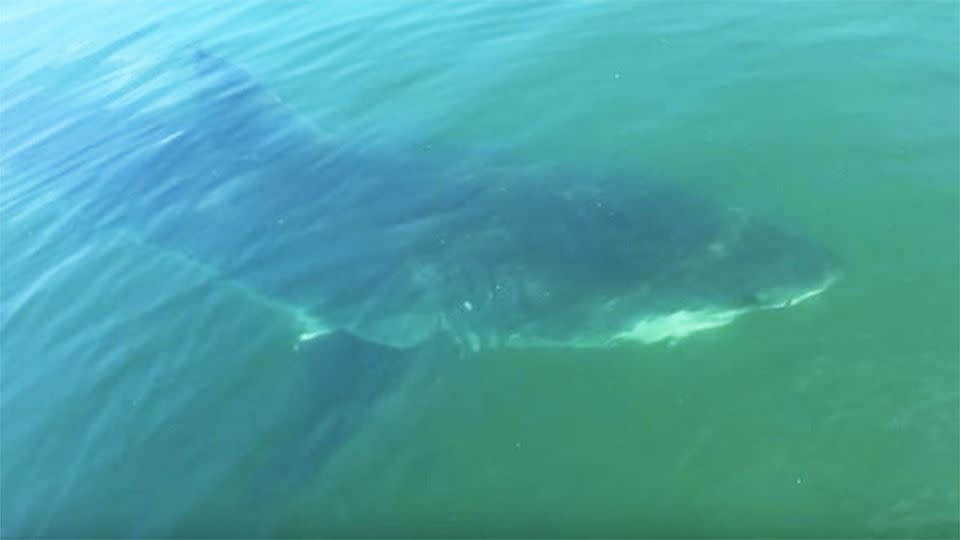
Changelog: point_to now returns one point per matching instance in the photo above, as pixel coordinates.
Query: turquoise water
(143, 396)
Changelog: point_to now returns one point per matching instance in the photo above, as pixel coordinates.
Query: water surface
(142, 396)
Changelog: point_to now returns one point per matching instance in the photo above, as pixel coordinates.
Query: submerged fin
(240, 115)
(339, 382)
(350, 373)
(349, 376)
(222, 81)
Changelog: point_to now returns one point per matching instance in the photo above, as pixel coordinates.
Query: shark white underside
(683, 323)
(676, 325)
(669, 327)
(673, 326)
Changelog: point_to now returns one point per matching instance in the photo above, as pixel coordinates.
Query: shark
(396, 249)
(383, 253)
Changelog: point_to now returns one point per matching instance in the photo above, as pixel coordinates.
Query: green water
(836, 418)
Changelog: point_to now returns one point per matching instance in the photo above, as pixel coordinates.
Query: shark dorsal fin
(237, 113)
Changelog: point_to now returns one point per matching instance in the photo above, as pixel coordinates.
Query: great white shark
(383, 253)
(397, 249)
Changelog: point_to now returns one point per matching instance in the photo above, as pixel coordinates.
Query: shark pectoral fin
(347, 370)
(334, 388)
(349, 376)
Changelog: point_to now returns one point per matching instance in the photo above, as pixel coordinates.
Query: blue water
(142, 394)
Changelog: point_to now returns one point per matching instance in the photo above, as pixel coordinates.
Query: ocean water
(143, 395)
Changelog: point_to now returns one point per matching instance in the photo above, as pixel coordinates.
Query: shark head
(645, 266)
(761, 267)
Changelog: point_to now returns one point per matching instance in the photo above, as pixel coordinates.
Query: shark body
(381, 254)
